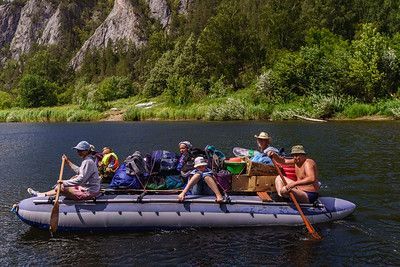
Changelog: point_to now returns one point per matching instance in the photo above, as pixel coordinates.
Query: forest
(223, 60)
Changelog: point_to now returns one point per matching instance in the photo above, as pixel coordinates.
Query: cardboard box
(260, 169)
(246, 183)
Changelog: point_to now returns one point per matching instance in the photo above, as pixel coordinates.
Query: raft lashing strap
(14, 208)
(185, 202)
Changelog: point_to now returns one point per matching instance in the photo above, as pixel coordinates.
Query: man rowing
(306, 187)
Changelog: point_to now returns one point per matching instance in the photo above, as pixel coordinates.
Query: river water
(357, 161)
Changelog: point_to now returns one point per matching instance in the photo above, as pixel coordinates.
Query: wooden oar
(310, 228)
(56, 208)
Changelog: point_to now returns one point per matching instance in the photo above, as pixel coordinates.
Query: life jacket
(290, 171)
(106, 160)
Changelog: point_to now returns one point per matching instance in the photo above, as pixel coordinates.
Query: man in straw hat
(201, 174)
(306, 187)
(263, 143)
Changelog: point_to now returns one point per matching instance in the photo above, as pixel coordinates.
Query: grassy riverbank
(241, 105)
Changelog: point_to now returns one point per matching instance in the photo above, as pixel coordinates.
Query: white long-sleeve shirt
(87, 175)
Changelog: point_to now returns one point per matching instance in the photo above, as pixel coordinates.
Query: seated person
(108, 165)
(84, 185)
(201, 174)
(186, 159)
(306, 187)
(185, 156)
(263, 141)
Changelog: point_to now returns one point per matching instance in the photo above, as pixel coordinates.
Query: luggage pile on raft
(158, 171)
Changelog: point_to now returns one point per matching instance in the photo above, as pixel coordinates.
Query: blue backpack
(163, 161)
(123, 180)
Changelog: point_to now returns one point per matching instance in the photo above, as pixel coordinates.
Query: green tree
(228, 45)
(365, 77)
(46, 63)
(114, 87)
(35, 91)
(6, 100)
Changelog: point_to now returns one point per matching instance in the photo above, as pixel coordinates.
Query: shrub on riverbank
(56, 114)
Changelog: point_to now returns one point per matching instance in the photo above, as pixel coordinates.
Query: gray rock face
(9, 17)
(160, 10)
(121, 24)
(34, 18)
(184, 6)
(52, 32)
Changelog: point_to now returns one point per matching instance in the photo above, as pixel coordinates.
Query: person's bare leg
(214, 187)
(192, 181)
(50, 193)
(279, 185)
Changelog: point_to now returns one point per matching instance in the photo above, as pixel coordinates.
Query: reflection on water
(357, 161)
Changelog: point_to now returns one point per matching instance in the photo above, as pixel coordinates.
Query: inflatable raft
(132, 213)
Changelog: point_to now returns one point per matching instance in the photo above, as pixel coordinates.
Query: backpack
(215, 158)
(163, 161)
(135, 165)
(224, 180)
(123, 180)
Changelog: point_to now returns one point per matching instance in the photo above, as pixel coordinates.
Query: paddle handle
(54, 216)
(309, 227)
(59, 181)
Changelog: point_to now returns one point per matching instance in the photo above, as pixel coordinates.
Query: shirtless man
(307, 185)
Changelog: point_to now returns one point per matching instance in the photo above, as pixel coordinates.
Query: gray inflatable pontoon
(128, 213)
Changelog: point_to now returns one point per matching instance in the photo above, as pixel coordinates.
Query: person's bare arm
(279, 159)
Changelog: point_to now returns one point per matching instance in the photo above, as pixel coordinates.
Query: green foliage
(232, 109)
(365, 78)
(326, 106)
(357, 110)
(6, 100)
(157, 81)
(183, 90)
(34, 91)
(227, 45)
(132, 114)
(219, 89)
(46, 63)
(114, 87)
(53, 114)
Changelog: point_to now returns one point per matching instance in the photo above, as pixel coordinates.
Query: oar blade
(55, 213)
(315, 235)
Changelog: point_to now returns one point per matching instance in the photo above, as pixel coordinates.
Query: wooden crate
(245, 183)
(259, 169)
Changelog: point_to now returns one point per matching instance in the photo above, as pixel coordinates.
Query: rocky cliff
(9, 17)
(40, 22)
(33, 20)
(121, 24)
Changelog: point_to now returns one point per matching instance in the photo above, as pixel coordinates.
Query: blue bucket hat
(82, 145)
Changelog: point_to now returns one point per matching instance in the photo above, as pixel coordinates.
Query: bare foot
(181, 197)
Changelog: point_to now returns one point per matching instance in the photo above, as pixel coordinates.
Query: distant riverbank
(217, 109)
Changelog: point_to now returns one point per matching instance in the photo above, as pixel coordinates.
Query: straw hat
(200, 161)
(263, 135)
(298, 149)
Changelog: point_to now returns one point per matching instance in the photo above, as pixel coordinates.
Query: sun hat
(262, 135)
(200, 161)
(298, 149)
(82, 145)
(186, 143)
